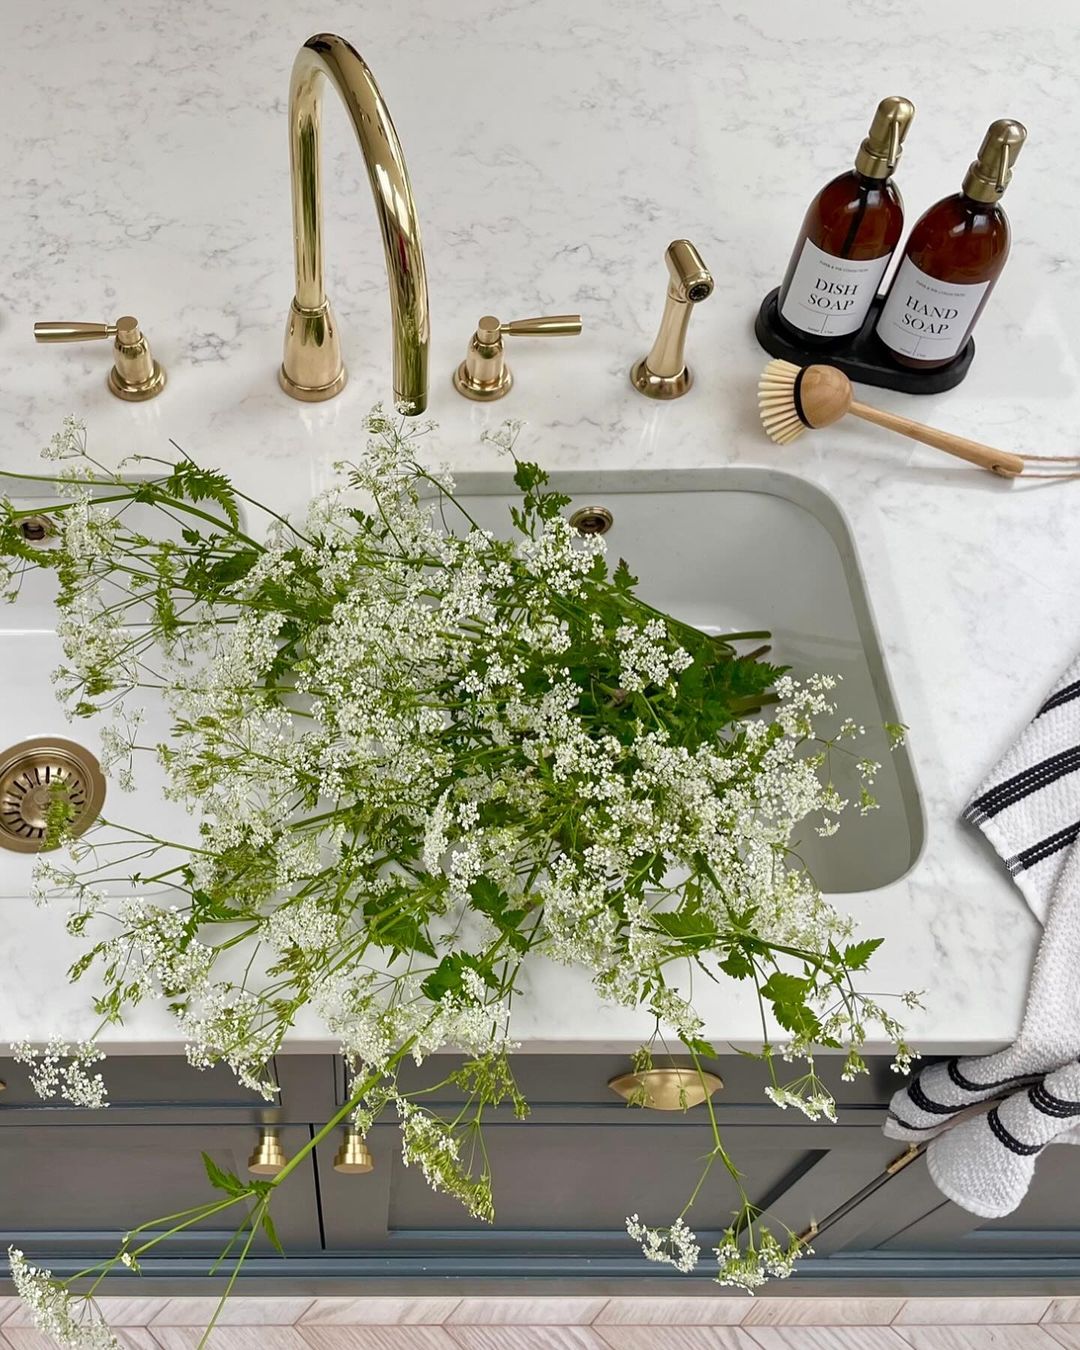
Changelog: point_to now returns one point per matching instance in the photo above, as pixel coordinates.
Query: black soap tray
(862, 357)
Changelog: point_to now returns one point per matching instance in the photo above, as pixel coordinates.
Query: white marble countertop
(555, 147)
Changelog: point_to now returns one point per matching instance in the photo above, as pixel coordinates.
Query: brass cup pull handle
(135, 374)
(268, 1157)
(484, 374)
(354, 1156)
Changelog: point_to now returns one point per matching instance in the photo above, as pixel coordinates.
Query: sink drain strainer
(30, 773)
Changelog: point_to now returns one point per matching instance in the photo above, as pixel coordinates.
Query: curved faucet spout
(312, 368)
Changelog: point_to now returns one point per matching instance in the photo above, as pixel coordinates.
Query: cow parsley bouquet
(420, 755)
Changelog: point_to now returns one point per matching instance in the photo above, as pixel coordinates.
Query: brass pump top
(991, 170)
(879, 153)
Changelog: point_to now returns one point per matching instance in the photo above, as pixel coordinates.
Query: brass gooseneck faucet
(312, 368)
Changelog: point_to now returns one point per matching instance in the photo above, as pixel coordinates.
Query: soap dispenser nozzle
(991, 171)
(884, 144)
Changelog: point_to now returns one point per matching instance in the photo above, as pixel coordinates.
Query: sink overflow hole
(592, 520)
(36, 529)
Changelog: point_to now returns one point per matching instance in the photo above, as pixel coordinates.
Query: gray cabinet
(566, 1178)
(570, 1176)
(72, 1182)
(77, 1188)
(909, 1217)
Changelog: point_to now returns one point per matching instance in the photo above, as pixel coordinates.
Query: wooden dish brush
(792, 398)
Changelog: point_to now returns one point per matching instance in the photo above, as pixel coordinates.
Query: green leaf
(191, 483)
(271, 1233)
(783, 987)
(693, 929)
(737, 964)
(222, 1180)
(857, 954)
(448, 975)
(491, 900)
(788, 994)
(699, 1047)
(528, 475)
(397, 930)
(623, 579)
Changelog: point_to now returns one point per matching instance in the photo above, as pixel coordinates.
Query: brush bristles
(776, 402)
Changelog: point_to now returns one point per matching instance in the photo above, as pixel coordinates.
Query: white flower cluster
(63, 1071)
(74, 1323)
(815, 1105)
(429, 1142)
(69, 442)
(374, 1017)
(647, 657)
(673, 1246)
(749, 1266)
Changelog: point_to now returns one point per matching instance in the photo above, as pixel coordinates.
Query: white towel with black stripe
(1029, 809)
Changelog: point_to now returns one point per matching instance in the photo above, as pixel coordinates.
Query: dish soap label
(926, 318)
(830, 295)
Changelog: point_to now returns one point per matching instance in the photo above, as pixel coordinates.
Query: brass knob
(135, 375)
(269, 1157)
(353, 1156)
(484, 374)
(666, 1089)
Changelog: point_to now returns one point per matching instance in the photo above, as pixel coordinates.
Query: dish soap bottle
(851, 229)
(954, 256)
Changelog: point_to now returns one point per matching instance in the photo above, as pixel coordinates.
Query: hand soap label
(926, 318)
(830, 296)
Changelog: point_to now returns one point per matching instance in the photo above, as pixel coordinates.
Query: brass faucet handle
(135, 375)
(59, 331)
(550, 325)
(484, 374)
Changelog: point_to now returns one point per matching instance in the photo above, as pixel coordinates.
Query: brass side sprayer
(664, 373)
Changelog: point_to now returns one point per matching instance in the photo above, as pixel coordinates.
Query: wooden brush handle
(997, 461)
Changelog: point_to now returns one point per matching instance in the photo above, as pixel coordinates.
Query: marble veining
(555, 148)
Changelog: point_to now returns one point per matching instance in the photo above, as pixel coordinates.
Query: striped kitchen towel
(1029, 806)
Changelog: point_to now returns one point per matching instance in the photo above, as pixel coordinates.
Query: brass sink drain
(29, 774)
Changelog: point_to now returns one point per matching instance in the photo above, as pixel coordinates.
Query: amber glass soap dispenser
(952, 260)
(849, 234)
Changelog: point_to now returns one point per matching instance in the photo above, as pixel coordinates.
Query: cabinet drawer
(76, 1189)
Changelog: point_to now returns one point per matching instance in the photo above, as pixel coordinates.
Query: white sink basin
(736, 549)
(724, 549)
(29, 652)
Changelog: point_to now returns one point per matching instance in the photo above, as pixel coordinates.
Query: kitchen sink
(724, 549)
(737, 549)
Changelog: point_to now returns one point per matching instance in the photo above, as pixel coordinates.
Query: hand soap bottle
(954, 256)
(849, 234)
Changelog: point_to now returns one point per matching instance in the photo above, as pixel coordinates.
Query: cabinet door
(75, 1190)
(566, 1179)
(909, 1215)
